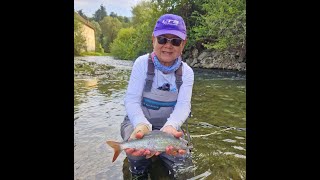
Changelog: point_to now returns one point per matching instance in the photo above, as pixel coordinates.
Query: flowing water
(217, 124)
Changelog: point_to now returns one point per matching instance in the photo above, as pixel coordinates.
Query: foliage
(97, 33)
(144, 12)
(89, 53)
(145, 15)
(123, 19)
(143, 40)
(79, 39)
(136, 40)
(99, 48)
(223, 25)
(100, 14)
(82, 14)
(123, 47)
(211, 24)
(109, 28)
(113, 14)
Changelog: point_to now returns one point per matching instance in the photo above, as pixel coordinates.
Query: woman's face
(167, 52)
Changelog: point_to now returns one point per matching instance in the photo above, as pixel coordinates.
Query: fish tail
(116, 148)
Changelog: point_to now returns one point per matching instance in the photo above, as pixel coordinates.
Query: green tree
(109, 28)
(123, 47)
(100, 14)
(112, 14)
(82, 14)
(143, 12)
(126, 19)
(97, 33)
(145, 15)
(223, 26)
(79, 39)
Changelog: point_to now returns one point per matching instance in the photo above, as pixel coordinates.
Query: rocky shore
(215, 60)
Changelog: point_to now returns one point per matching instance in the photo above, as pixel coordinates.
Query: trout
(154, 141)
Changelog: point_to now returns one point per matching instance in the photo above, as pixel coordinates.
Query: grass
(94, 54)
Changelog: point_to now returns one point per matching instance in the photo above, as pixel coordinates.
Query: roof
(84, 21)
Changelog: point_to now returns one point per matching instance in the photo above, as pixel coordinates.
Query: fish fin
(152, 153)
(116, 148)
(183, 140)
(190, 146)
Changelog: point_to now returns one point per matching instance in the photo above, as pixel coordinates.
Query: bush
(79, 39)
(99, 49)
(123, 47)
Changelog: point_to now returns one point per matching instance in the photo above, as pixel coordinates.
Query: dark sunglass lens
(176, 42)
(162, 40)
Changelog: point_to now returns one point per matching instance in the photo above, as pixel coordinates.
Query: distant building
(88, 32)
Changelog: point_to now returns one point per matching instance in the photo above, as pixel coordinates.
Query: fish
(154, 141)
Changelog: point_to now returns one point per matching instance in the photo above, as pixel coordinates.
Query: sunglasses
(164, 40)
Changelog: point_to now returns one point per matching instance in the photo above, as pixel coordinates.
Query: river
(217, 124)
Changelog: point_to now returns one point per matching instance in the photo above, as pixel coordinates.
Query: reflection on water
(218, 116)
(217, 124)
(98, 112)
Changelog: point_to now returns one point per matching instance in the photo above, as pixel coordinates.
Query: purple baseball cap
(170, 24)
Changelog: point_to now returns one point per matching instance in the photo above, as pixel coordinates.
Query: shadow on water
(158, 171)
(217, 125)
(219, 74)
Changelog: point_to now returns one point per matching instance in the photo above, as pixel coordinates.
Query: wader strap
(150, 75)
(179, 77)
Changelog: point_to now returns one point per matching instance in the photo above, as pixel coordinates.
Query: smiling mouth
(168, 53)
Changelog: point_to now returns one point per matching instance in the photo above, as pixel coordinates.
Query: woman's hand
(170, 149)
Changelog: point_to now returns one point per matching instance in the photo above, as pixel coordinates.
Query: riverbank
(211, 60)
(227, 60)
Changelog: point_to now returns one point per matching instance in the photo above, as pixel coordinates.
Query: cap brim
(173, 32)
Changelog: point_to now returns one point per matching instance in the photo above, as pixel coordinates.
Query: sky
(120, 7)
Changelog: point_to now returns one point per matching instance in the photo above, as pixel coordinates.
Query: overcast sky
(120, 7)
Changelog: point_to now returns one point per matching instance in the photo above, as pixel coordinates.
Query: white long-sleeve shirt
(135, 89)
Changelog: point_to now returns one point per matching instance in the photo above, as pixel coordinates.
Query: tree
(97, 33)
(112, 14)
(123, 47)
(223, 26)
(145, 15)
(109, 28)
(100, 14)
(144, 12)
(126, 19)
(79, 39)
(82, 14)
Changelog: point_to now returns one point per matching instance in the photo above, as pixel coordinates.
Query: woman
(159, 94)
